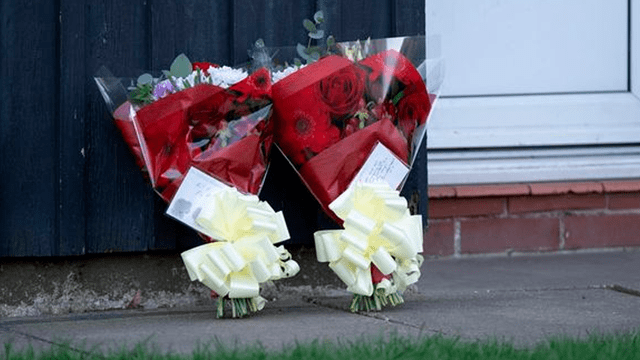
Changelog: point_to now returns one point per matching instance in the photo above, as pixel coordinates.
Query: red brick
(492, 190)
(438, 239)
(602, 231)
(619, 201)
(455, 207)
(524, 204)
(518, 234)
(621, 186)
(566, 187)
(441, 191)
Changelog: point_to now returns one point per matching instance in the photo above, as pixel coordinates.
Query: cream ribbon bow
(378, 229)
(244, 255)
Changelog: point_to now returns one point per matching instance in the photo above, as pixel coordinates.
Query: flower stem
(374, 302)
(239, 307)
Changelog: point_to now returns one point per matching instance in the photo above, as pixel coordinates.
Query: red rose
(413, 110)
(390, 64)
(342, 90)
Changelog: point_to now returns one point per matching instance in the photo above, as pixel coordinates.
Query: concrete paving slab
(183, 331)
(523, 317)
(20, 341)
(557, 271)
(525, 299)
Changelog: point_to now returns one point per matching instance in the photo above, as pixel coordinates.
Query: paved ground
(525, 299)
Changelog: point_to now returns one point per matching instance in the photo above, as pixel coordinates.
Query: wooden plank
(409, 17)
(358, 19)
(278, 23)
(120, 203)
(28, 144)
(72, 145)
(198, 28)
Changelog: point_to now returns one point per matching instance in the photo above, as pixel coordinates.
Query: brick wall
(537, 217)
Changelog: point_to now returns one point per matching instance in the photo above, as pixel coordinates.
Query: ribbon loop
(244, 255)
(378, 229)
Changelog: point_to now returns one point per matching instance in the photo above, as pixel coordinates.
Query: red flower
(255, 86)
(377, 276)
(413, 110)
(342, 90)
(384, 110)
(390, 64)
(307, 133)
(203, 65)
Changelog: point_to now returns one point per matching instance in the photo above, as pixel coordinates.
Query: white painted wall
(537, 74)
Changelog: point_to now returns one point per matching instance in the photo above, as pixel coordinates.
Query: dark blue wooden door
(69, 185)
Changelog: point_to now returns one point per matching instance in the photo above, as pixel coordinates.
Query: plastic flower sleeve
(215, 119)
(329, 114)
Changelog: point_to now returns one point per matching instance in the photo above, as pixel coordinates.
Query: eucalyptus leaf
(166, 73)
(145, 79)
(318, 17)
(181, 66)
(315, 55)
(302, 51)
(331, 40)
(309, 25)
(317, 34)
(259, 43)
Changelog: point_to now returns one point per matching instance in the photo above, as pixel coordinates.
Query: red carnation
(203, 65)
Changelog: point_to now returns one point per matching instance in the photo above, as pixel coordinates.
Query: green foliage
(393, 346)
(311, 53)
(181, 66)
(142, 94)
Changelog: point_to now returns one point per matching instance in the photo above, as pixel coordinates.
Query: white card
(383, 165)
(185, 205)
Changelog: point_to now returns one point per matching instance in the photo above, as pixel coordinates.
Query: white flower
(225, 76)
(279, 75)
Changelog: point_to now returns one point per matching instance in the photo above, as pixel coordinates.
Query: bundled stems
(240, 307)
(375, 302)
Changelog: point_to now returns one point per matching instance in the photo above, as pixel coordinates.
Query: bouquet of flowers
(199, 131)
(198, 115)
(357, 115)
(330, 114)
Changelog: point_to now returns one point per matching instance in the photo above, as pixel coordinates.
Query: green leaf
(145, 79)
(166, 73)
(315, 55)
(309, 25)
(331, 41)
(297, 62)
(318, 17)
(397, 97)
(302, 51)
(317, 34)
(181, 66)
